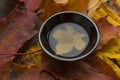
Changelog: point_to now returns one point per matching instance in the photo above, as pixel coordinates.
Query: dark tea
(68, 39)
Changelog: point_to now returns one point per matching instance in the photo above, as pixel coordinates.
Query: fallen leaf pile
(15, 30)
(111, 54)
(107, 31)
(18, 27)
(71, 5)
(109, 9)
(6, 6)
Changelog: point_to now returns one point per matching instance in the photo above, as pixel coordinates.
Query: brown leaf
(82, 70)
(6, 6)
(99, 65)
(51, 7)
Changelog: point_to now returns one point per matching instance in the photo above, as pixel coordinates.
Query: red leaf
(32, 5)
(5, 60)
(76, 71)
(58, 70)
(6, 6)
(15, 29)
(79, 70)
(93, 75)
(31, 74)
(107, 31)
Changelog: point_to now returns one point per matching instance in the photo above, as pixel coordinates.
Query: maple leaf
(32, 5)
(110, 10)
(93, 6)
(107, 31)
(54, 69)
(16, 28)
(110, 54)
(73, 70)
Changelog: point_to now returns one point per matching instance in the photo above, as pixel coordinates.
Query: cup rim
(72, 59)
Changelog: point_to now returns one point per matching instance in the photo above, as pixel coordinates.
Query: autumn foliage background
(20, 21)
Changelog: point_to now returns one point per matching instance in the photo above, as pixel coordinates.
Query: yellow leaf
(110, 10)
(100, 13)
(118, 2)
(93, 6)
(111, 54)
(61, 1)
(33, 59)
(51, 7)
(112, 21)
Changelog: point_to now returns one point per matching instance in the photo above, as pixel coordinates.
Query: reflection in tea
(68, 39)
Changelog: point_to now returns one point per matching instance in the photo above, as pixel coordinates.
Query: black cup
(72, 17)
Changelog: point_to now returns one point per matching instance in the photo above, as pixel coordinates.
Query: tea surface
(68, 39)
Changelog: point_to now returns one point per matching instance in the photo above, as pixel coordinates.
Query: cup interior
(72, 17)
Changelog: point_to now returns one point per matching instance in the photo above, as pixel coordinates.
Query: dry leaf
(111, 10)
(17, 28)
(107, 31)
(110, 54)
(33, 59)
(118, 2)
(51, 7)
(93, 5)
(6, 6)
(61, 1)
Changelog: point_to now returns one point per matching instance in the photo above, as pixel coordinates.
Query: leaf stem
(22, 54)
